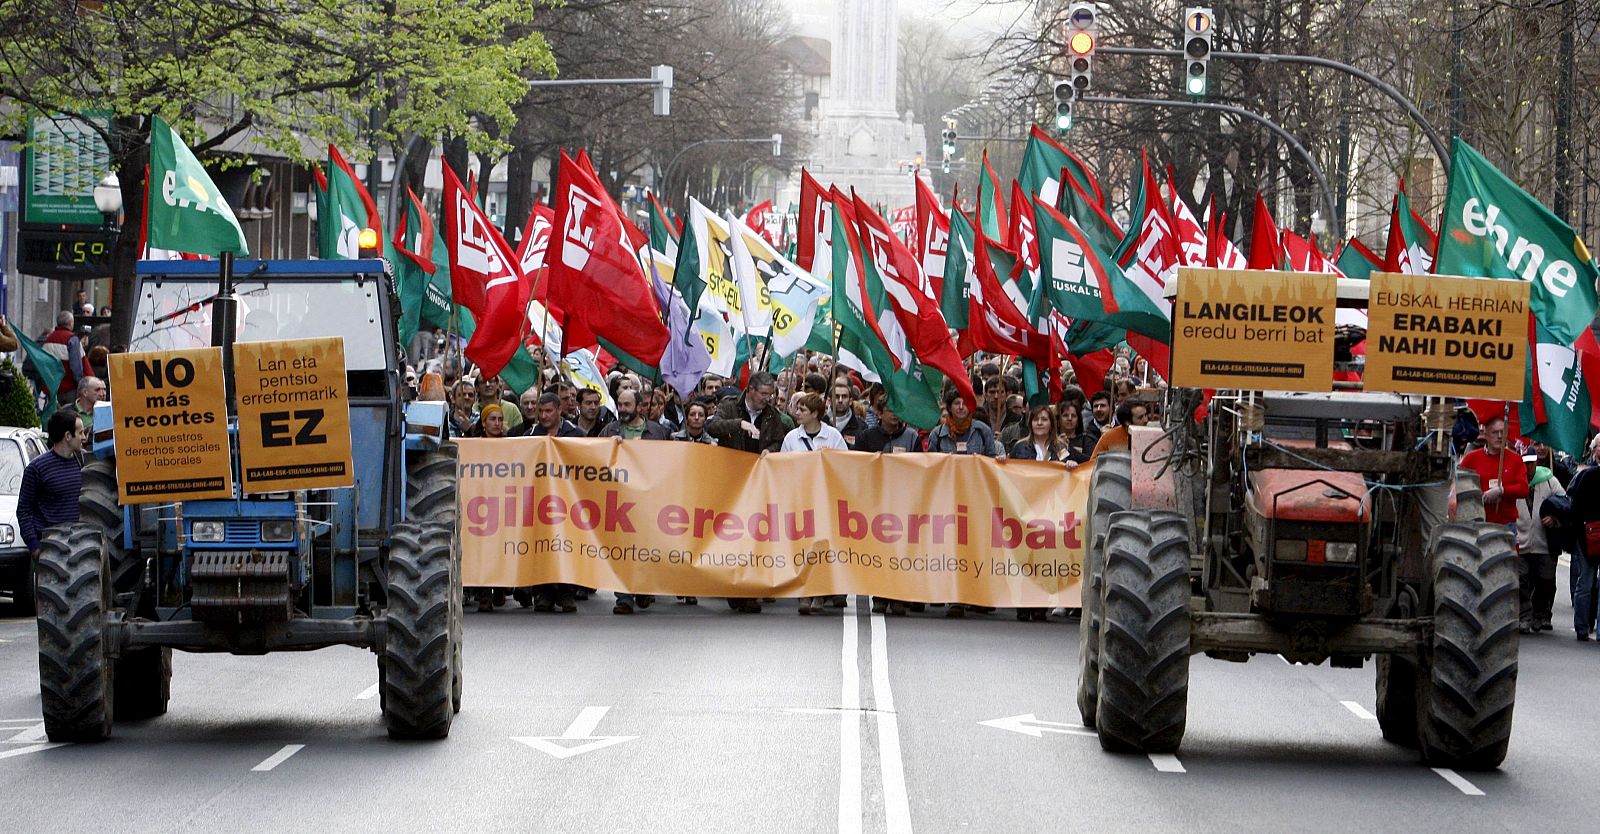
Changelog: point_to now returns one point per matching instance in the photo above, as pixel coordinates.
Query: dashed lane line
(368, 694)
(896, 801)
(278, 758)
(32, 748)
(849, 728)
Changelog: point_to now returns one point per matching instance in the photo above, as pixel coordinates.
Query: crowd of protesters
(809, 406)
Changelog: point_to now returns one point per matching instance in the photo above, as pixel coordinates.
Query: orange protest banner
(688, 519)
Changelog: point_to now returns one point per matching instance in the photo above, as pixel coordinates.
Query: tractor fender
(1153, 489)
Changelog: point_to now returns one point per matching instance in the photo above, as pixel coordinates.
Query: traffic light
(1197, 30)
(1082, 32)
(777, 144)
(661, 95)
(949, 143)
(1065, 93)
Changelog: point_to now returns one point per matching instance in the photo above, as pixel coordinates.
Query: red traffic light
(1082, 43)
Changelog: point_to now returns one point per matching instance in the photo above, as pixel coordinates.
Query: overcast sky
(966, 16)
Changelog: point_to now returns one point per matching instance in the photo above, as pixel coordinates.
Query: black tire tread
(143, 683)
(1467, 698)
(97, 504)
(431, 486)
(75, 675)
(1145, 637)
(418, 672)
(1110, 491)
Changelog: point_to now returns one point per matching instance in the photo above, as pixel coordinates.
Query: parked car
(17, 447)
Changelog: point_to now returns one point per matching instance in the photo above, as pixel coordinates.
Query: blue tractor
(371, 565)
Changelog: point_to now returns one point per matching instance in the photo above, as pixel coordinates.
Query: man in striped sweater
(51, 483)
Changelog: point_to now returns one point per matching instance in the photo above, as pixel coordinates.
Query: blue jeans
(1584, 596)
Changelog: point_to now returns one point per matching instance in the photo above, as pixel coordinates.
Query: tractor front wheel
(1144, 639)
(1110, 491)
(75, 673)
(417, 677)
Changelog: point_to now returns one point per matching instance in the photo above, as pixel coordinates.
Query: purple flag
(685, 360)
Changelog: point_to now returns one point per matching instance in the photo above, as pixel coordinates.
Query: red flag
(914, 304)
(1303, 255)
(759, 218)
(1023, 237)
(995, 324)
(816, 221)
(483, 273)
(595, 277)
(534, 247)
(933, 236)
(1264, 252)
(1092, 368)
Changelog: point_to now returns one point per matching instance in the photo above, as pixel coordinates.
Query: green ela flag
(912, 391)
(1494, 229)
(1043, 162)
(423, 287)
(1084, 284)
(46, 367)
(186, 212)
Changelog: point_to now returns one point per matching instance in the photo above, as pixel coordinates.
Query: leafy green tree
(284, 75)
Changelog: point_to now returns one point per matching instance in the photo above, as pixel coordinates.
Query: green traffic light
(1197, 85)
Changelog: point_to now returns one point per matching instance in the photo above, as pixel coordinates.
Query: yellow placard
(171, 426)
(620, 515)
(1235, 328)
(294, 418)
(1447, 336)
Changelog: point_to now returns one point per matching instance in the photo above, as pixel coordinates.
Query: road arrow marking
(1167, 763)
(368, 694)
(34, 748)
(1029, 725)
(1359, 711)
(30, 735)
(1460, 782)
(580, 730)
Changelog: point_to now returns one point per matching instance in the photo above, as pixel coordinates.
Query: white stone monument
(859, 140)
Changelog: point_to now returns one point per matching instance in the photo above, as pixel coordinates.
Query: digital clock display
(66, 254)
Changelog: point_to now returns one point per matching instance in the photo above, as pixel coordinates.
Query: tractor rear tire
(1145, 637)
(143, 683)
(457, 634)
(75, 674)
(1469, 687)
(418, 673)
(1397, 699)
(1110, 491)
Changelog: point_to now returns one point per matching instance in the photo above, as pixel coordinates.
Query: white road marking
(849, 728)
(278, 758)
(897, 805)
(31, 735)
(1285, 660)
(23, 751)
(581, 729)
(1030, 725)
(1459, 781)
(1359, 710)
(1167, 763)
(368, 694)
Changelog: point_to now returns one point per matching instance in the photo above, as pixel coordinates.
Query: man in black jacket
(750, 423)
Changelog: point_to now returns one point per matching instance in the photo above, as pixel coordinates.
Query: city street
(697, 719)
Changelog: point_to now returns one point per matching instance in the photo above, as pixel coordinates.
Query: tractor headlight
(277, 530)
(1290, 550)
(1344, 552)
(207, 531)
(8, 534)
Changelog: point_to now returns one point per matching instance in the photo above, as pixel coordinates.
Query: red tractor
(1322, 527)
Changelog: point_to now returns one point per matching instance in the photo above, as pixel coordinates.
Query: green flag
(955, 297)
(341, 215)
(1494, 229)
(186, 211)
(1085, 284)
(1044, 160)
(46, 367)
